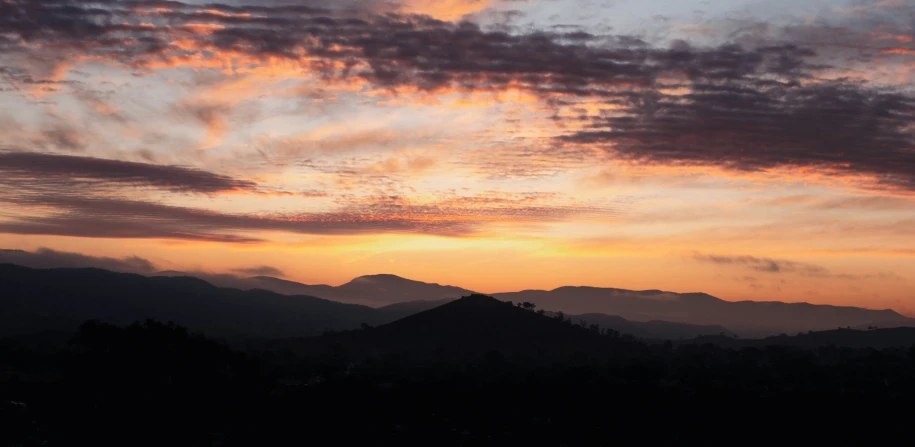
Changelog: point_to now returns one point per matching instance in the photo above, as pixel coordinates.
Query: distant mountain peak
(384, 278)
(381, 276)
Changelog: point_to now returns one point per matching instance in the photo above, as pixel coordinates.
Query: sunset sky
(759, 150)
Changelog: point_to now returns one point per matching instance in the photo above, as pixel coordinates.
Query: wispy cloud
(45, 258)
(779, 266)
(65, 172)
(261, 270)
(767, 265)
(84, 214)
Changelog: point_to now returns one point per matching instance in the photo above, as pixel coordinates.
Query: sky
(750, 149)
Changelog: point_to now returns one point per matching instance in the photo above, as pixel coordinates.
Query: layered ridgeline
(480, 326)
(370, 290)
(652, 309)
(39, 300)
(746, 318)
(34, 300)
(654, 312)
(58, 299)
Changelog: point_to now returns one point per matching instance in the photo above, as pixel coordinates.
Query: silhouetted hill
(471, 327)
(60, 299)
(901, 337)
(389, 289)
(747, 318)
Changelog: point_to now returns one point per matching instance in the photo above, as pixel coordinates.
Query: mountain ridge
(701, 310)
(567, 288)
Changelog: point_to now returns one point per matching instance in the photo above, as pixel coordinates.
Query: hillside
(60, 299)
(471, 327)
(747, 318)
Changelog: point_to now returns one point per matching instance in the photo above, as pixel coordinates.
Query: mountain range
(746, 318)
(263, 306)
(480, 326)
(42, 300)
(369, 290)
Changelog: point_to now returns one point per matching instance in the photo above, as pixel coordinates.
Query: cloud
(46, 258)
(125, 218)
(752, 104)
(440, 9)
(778, 266)
(766, 265)
(834, 127)
(263, 270)
(67, 172)
(83, 214)
(842, 204)
(771, 98)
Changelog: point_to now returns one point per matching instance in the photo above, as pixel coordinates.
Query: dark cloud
(263, 270)
(124, 218)
(777, 266)
(67, 172)
(766, 265)
(834, 127)
(387, 49)
(45, 258)
(86, 215)
(763, 101)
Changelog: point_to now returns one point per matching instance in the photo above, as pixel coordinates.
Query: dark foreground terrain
(514, 377)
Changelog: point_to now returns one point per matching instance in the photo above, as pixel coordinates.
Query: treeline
(157, 384)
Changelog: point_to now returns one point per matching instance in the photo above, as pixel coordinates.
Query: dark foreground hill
(747, 318)
(60, 299)
(153, 384)
(469, 328)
